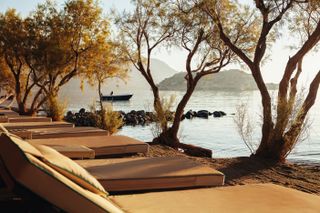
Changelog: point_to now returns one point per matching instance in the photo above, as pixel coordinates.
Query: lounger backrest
(3, 129)
(23, 162)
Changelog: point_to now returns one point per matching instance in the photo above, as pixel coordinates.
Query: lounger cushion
(70, 169)
(49, 184)
(3, 129)
(25, 146)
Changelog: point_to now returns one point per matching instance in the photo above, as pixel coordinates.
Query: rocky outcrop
(133, 118)
(203, 114)
(84, 118)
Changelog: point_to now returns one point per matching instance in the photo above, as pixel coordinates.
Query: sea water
(217, 134)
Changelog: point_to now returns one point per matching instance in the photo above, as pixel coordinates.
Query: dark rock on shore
(190, 114)
(132, 118)
(202, 114)
(83, 118)
(218, 114)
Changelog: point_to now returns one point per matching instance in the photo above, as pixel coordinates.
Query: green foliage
(111, 120)
(245, 126)
(163, 115)
(250, 32)
(55, 109)
(50, 46)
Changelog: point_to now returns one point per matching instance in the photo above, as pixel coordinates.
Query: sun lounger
(3, 119)
(128, 174)
(262, 198)
(24, 119)
(75, 151)
(3, 98)
(25, 166)
(46, 133)
(22, 133)
(102, 145)
(90, 146)
(36, 125)
(14, 117)
(6, 102)
(9, 113)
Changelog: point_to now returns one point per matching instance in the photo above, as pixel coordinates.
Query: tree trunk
(267, 126)
(159, 109)
(102, 110)
(170, 136)
(279, 147)
(21, 105)
(100, 96)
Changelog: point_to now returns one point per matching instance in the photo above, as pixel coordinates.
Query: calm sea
(218, 134)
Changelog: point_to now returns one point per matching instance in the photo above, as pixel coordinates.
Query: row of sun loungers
(68, 187)
(102, 145)
(40, 166)
(6, 101)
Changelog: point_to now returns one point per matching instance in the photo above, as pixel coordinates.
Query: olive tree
(206, 55)
(260, 27)
(143, 31)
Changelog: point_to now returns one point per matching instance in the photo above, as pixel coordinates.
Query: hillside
(233, 80)
(135, 80)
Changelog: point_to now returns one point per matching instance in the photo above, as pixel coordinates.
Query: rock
(82, 110)
(69, 114)
(223, 113)
(133, 112)
(189, 114)
(141, 113)
(218, 114)
(203, 114)
(122, 113)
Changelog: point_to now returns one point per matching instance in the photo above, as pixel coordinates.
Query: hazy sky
(272, 70)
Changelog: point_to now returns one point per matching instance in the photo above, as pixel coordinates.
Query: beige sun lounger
(37, 125)
(128, 174)
(45, 133)
(14, 117)
(24, 167)
(19, 119)
(3, 119)
(9, 113)
(102, 145)
(6, 102)
(75, 151)
(251, 198)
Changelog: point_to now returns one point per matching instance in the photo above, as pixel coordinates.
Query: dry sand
(244, 170)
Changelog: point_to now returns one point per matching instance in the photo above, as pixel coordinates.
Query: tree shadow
(244, 166)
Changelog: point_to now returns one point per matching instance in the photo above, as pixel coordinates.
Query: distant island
(229, 80)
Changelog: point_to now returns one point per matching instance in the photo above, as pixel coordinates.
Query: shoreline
(244, 170)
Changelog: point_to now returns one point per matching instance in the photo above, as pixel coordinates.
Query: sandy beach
(244, 170)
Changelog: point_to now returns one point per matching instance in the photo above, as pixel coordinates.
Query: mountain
(135, 80)
(230, 80)
(160, 71)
